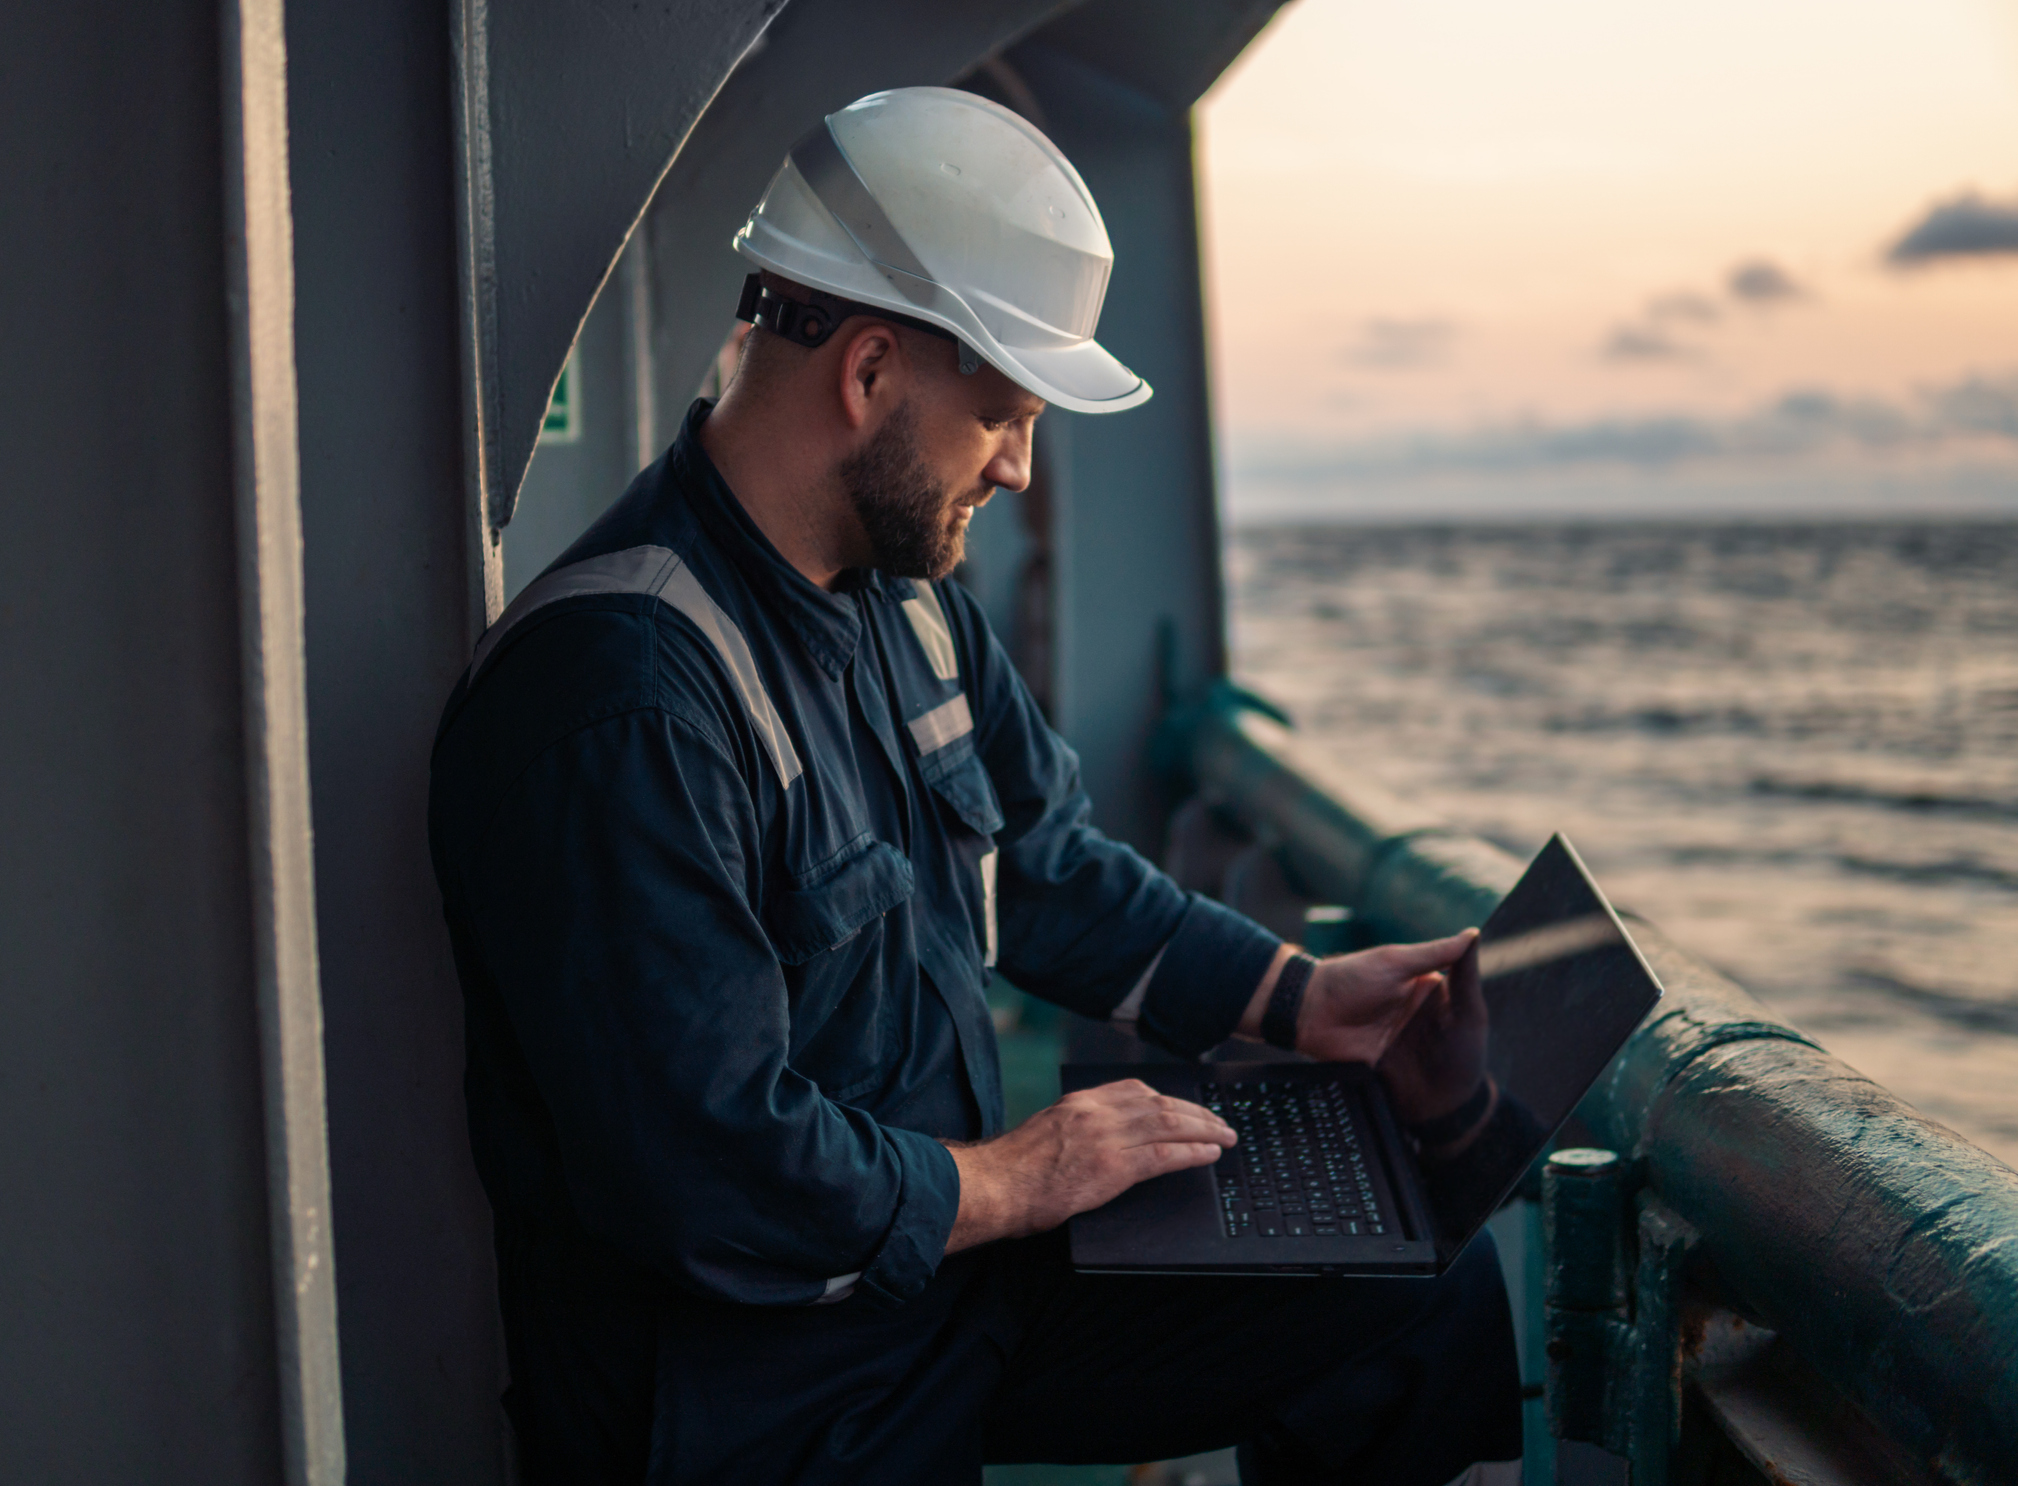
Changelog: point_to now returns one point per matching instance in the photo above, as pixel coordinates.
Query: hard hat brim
(1081, 378)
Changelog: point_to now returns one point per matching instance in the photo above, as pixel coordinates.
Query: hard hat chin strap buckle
(812, 323)
(809, 324)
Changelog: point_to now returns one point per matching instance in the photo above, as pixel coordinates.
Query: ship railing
(1778, 1258)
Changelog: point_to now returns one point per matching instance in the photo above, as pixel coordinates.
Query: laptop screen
(1558, 988)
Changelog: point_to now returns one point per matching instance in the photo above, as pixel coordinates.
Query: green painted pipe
(1883, 1246)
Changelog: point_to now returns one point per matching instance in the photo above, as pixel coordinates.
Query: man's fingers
(1420, 988)
(1122, 1089)
(1184, 1122)
(1132, 1092)
(1433, 954)
(1421, 992)
(1136, 1114)
(1428, 996)
(1170, 1155)
(1184, 1110)
(1466, 985)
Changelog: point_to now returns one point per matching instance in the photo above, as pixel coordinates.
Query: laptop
(1324, 1181)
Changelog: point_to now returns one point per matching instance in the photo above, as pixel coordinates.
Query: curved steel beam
(569, 112)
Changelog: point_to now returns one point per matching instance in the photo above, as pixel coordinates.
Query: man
(732, 812)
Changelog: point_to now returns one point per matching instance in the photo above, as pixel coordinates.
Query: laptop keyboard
(1299, 1171)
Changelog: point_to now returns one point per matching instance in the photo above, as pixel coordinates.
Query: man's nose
(1010, 466)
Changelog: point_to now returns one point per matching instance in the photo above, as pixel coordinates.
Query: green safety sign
(563, 423)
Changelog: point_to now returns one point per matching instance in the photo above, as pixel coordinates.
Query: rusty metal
(1881, 1246)
(1783, 1420)
(1655, 1427)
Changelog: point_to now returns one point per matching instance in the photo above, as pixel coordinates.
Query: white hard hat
(947, 211)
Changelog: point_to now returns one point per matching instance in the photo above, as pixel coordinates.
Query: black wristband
(1278, 1022)
(1448, 1127)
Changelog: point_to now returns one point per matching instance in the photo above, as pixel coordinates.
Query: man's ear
(872, 363)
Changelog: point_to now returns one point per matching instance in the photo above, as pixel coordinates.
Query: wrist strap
(1278, 1022)
(1448, 1127)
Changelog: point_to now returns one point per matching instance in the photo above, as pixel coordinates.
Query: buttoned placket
(971, 1023)
(869, 685)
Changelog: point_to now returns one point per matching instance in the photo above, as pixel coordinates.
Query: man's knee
(1471, 1324)
(1469, 1298)
(1438, 1390)
(1476, 1280)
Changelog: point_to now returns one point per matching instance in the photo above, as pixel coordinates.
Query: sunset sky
(1589, 254)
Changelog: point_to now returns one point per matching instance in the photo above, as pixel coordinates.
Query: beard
(914, 528)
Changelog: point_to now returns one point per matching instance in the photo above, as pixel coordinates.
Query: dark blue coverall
(725, 859)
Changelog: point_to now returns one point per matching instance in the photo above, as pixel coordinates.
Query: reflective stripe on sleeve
(944, 723)
(988, 904)
(658, 571)
(634, 570)
(1129, 1012)
(929, 621)
(840, 1287)
(684, 592)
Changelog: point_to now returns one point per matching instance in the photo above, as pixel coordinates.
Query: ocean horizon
(1968, 494)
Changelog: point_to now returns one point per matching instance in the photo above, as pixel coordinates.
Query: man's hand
(1357, 1004)
(1440, 1057)
(1077, 1155)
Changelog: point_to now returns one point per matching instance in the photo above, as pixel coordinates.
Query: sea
(1793, 745)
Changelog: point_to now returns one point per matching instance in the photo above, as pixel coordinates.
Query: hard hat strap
(812, 323)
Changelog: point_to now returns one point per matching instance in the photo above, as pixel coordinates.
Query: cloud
(1966, 226)
(1644, 342)
(1762, 281)
(1977, 405)
(1653, 336)
(1401, 345)
(1800, 424)
(1683, 307)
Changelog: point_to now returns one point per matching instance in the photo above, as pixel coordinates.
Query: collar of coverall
(827, 624)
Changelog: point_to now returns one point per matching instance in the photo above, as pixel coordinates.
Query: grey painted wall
(1135, 525)
(568, 485)
(588, 104)
(136, 1329)
(382, 507)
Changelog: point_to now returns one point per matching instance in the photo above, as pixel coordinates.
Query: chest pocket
(957, 777)
(824, 927)
(829, 905)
